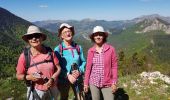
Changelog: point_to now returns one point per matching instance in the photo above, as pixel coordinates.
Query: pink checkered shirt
(97, 72)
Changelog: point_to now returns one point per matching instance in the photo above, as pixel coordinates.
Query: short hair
(104, 37)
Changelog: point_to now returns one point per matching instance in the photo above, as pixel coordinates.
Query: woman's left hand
(49, 83)
(75, 74)
(114, 88)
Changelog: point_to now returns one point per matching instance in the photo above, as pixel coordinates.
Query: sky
(111, 10)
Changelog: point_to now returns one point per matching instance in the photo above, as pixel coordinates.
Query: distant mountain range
(86, 25)
(83, 26)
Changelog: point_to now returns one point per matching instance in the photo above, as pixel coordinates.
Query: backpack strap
(52, 59)
(27, 60)
(77, 47)
(27, 57)
(61, 49)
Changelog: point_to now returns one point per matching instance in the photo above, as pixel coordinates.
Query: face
(98, 38)
(35, 39)
(66, 34)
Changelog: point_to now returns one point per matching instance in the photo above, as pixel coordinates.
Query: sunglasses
(98, 34)
(37, 36)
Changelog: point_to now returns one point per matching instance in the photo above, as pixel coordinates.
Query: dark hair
(103, 34)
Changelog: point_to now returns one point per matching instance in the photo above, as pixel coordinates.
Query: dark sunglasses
(98, 33)
(37, 35)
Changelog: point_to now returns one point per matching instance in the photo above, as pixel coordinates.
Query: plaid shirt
(97, 73)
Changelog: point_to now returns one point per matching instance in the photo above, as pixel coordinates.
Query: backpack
(75, 45)
(26, 52)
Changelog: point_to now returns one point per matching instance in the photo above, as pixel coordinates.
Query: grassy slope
(144, 90)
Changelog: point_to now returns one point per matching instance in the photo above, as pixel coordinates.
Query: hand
(49, 83)
(86, 88)
(33, 78)
(75, 74)
(114, 88)
(71, 78)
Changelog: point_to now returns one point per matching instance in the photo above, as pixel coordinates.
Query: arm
(54, 77)
(58, 68)
(57, 53)
(114, 66)
(88, 69)
(114, 71)
(20, 69)
(82, 60)
(87, 73)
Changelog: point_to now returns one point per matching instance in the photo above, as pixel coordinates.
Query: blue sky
(37, 10)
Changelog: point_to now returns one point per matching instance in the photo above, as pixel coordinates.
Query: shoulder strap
(61, 49)
(77, 48)
(27, 61)
(50, 53)
(74, 45)
(27, 57)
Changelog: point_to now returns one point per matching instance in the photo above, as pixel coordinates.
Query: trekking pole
(50, 94)
(29, 93)
(30, 89)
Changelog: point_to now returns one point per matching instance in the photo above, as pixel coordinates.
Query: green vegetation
(141, 89)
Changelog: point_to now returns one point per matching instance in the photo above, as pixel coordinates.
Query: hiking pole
(29, 93)
(31, 86)
(74, 66)
(50, 94)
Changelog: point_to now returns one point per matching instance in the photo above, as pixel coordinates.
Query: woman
(37, 67)
(72, 63)
(101, 68)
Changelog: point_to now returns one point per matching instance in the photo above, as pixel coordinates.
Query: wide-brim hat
(98, 29)
(33, 30)
(65, 25)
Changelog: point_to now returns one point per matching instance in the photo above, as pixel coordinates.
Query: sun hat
(65, 25)
(99, 29)
(33, 30)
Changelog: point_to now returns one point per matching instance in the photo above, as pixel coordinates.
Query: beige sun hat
(65, 25)
(99, 29)
(33, 30)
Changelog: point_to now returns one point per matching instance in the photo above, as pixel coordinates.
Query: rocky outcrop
(154, 24)
(155, 75)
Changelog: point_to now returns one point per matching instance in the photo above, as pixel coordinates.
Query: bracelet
(52, 79)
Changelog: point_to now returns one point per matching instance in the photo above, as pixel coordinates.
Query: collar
(105, 48)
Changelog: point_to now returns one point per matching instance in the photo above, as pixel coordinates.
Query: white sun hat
(33, 30)
(65, 25)
(98, 29)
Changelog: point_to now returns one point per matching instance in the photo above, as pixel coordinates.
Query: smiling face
(66, 34)
(35, 40)
(98, 38)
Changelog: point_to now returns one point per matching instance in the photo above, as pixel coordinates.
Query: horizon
(43, 10)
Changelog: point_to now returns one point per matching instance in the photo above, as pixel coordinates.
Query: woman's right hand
(86, 88)
(32, 78)
(71, 78)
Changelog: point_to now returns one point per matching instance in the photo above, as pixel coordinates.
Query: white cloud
(43, 6)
